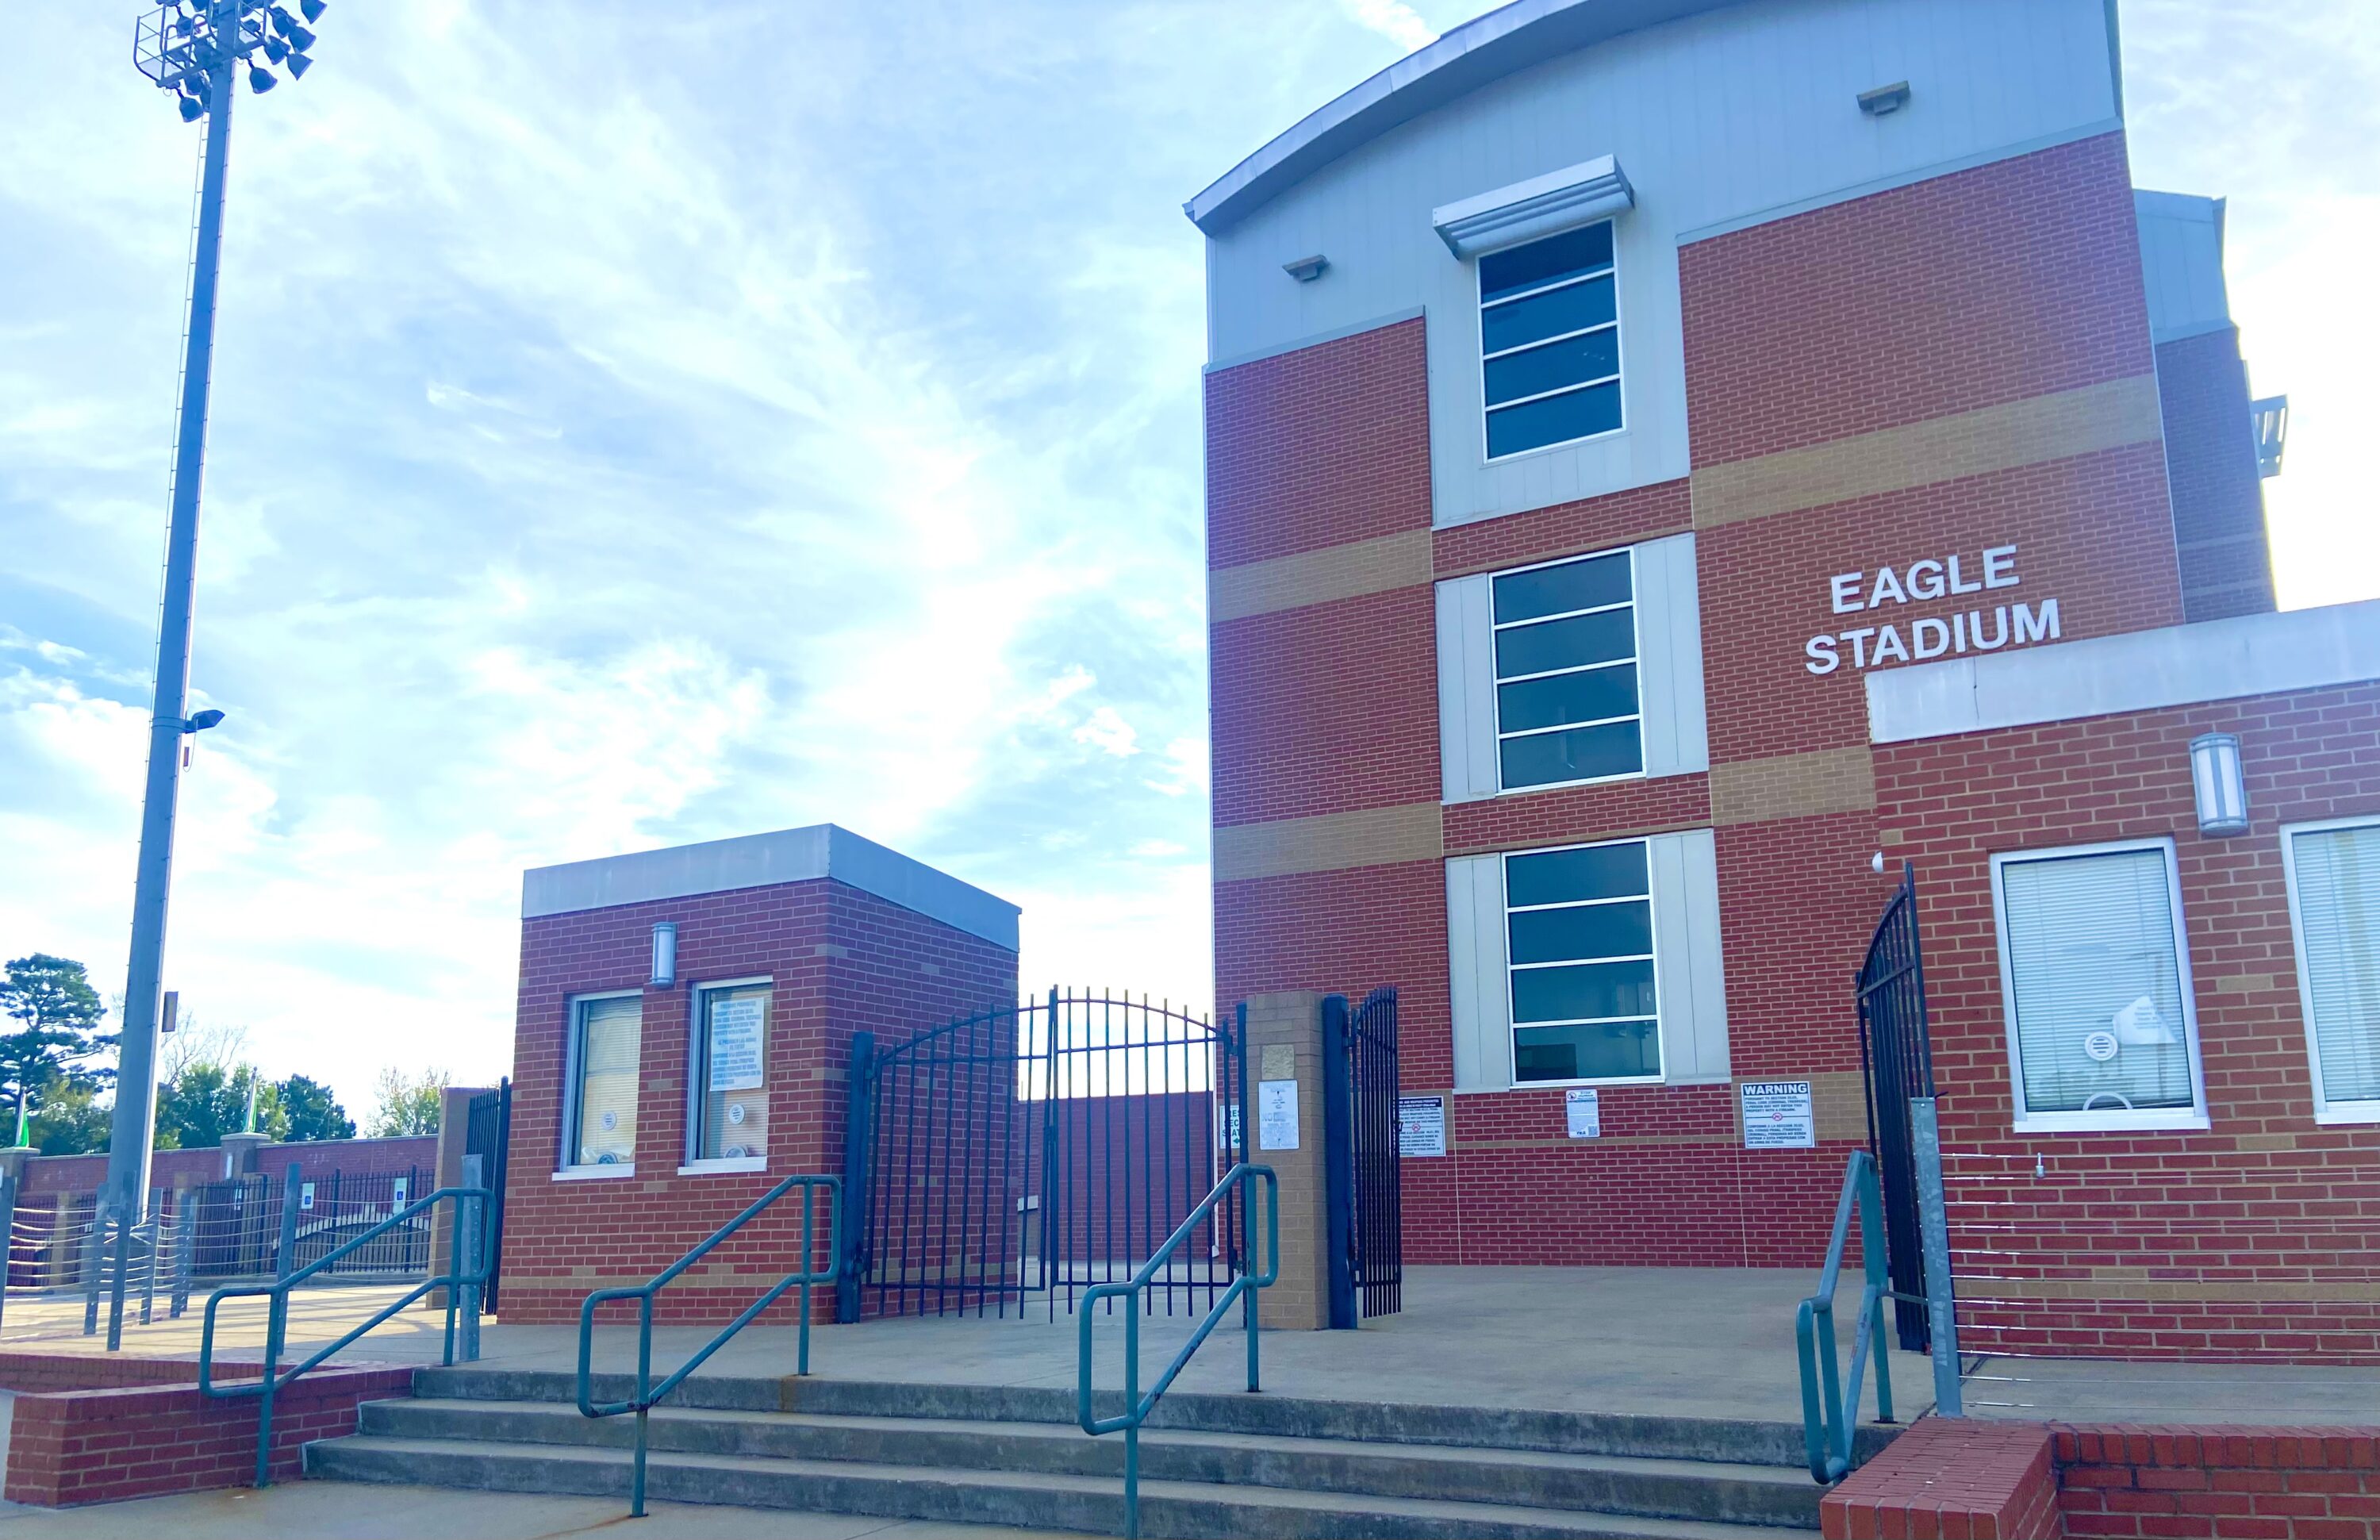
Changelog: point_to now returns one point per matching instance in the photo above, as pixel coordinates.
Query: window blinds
(2095, 983)
(2337, 873)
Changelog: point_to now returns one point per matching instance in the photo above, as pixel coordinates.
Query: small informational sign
(400, 1193)
(1280, 1062)
(305, 1195)
(1582, 1113)
(1421, 1127)
(2100, 1047)
(1277, 1114)
(1777, 1115)
(1231, 1125)
(735, 1042)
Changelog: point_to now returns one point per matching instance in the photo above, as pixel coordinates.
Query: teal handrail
(1829, 1415)
(270, 1384)
(1136, 1406)
(647, 1394)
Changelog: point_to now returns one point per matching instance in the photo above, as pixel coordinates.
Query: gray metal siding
(1689, 980)
(1466, 689)
(1482, 1010)
(1670, 657)
(2181, 262)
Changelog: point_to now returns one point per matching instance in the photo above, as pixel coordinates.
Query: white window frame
(2325, 1111)
(1513, 1025)
(1479, 308)
(573, 1094)
(1635, 660)
(697, 1076)
(2102, 1120)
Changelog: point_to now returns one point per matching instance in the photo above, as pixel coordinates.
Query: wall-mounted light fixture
(1307, 268)
(664, 955)
(1885, 99)
(2218, 783)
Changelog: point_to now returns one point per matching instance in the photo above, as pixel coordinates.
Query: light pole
(194, 49)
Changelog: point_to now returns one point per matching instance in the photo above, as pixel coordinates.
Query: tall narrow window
(1579, 941)
(731, 1063)
(1549, 341)
(1566, 691)
(600, 1119)
(2101, 1027)
(2334, 875)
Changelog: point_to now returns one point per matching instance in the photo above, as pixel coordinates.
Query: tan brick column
(1285, 1042)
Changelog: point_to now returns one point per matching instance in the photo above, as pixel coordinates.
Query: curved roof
(1511, 37)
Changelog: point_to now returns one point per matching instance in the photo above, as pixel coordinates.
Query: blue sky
(640, 424)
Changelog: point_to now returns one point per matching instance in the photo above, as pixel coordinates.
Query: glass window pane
(1567, 697)
(2338, 912)
(1601, 1050)
(2090, 950)
(1587, 584)
(1542, 261)
(735, 1101)
(1572, 307)
(1584, 991)
(1595, 931)
(1572, 754)
(604, 1121)
(1565, 876)
(1550, 366)
(1555, 420)
(1603, 637)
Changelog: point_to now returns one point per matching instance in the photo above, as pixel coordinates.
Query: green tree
(207, 1101)
(72, 1120)
(311, 1112)
(408, 1105)
(57, 1015)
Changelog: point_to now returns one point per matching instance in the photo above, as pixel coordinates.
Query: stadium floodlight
(193, 50)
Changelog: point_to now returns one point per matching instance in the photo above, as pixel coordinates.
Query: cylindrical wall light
(2219, 783)
(664, 955)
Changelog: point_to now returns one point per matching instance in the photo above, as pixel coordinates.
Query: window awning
(1541, 206)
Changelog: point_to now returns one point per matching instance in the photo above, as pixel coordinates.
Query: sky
(636, 425)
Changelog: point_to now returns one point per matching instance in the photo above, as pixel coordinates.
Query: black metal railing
(650, 1395)
(1898, 1057)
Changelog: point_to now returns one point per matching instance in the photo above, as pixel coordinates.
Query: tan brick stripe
(1399, 561)
(1329, 842)
(2126, 1283)
(1538, 838)
(1793, 786)
(2030, 431)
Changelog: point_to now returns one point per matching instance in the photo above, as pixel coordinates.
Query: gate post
(1337, 1164)
(1284, 1127)
(856, 1143)
(1934, 1230)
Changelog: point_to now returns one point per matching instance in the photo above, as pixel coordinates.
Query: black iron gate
(1898, 1061)
(1012, 1158)
(1379, 1228)
(489, 1135)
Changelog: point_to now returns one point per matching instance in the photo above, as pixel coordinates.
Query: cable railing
(462, 1286)
(647, 1394)
(1137, 1407)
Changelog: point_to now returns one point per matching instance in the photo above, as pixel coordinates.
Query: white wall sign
(398, 1191)
(1276, 1114)
(1583, 1114)
(735, 1042)
(1975, 627)
(1421, 1127)
(305, 1195)
(1229, 1121)
(1777, 1115)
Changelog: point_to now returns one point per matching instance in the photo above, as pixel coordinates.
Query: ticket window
(731, 1099)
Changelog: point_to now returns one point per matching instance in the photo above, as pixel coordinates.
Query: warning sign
(1421, 1127)
(1777, 1115)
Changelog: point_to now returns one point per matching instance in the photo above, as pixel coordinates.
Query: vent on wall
(1885, 99)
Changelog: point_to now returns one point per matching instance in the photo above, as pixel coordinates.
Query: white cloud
(1395, 20)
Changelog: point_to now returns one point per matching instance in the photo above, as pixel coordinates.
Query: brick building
(1603, 401)
(684, 1020)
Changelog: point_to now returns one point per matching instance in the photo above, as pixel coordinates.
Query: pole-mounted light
(194, 50)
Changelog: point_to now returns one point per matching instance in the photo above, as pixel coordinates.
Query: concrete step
(1170, 1509)
(1639, 1485)
(1734, 1442)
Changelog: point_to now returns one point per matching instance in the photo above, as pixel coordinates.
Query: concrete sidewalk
(332, 1510)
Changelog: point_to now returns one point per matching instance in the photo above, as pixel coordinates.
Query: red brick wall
(352, 1157)
(80, 1175)
(2218, 496)
(33, 1372)
(77, 1447)
(1940, 1479)
(2265, 1230)
(2231, 1482)
(842, 960)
